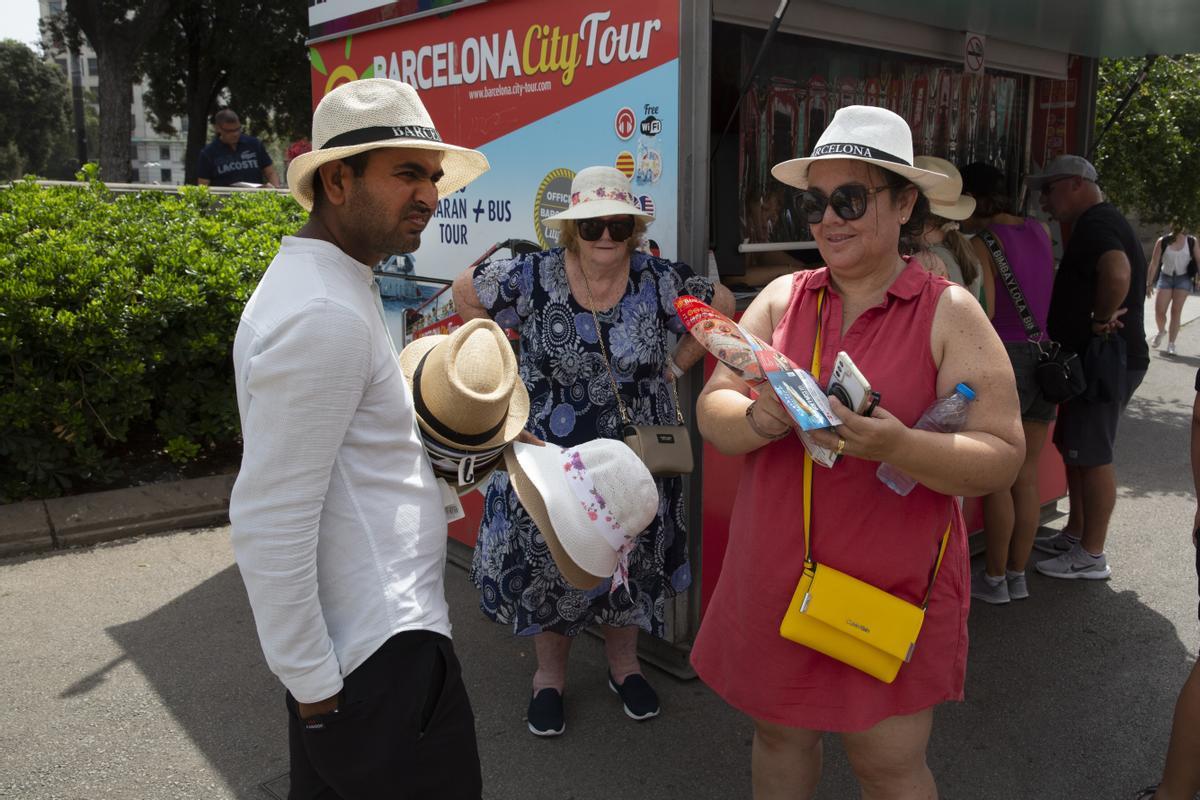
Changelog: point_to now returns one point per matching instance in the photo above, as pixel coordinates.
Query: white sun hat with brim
(599, 192)
(863, 133)
(466, 389)
(374, 113)
(591, 502)
(947, 200)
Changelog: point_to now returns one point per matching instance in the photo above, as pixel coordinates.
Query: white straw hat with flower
(599, 192)
(590, 502)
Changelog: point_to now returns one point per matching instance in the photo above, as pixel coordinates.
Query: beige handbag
(666, 450)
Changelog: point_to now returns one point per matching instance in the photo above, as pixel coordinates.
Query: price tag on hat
(450, 502)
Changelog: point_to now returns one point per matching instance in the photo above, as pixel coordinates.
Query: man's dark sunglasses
(1049, 185)
(849, 202)
(620, 229)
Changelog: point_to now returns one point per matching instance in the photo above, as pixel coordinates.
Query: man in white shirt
(338, 525)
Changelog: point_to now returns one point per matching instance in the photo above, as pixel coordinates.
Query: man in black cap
(1095, 311)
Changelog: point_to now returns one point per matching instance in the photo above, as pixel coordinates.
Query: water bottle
(946, 415)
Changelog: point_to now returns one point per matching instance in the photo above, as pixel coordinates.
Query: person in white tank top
(1171, 271)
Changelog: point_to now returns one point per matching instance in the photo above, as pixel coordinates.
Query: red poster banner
(486, 71)
(1055, 116)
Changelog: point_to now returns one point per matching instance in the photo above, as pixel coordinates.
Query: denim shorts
(1024, 358)
(1166, 281)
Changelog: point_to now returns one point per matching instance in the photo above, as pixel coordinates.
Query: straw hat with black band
(466, 390)
(374, 113)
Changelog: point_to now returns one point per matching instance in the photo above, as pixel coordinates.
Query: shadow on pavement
(1144, 470)
(1070, 694)
(201, 655)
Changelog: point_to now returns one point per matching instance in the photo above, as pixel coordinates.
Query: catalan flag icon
(625, 163)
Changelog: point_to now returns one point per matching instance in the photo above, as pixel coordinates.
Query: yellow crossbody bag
(845, 618)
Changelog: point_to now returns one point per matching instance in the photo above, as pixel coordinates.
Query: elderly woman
(914, 336)
(592, 313)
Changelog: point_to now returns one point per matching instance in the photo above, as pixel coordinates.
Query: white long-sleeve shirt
(338, 525)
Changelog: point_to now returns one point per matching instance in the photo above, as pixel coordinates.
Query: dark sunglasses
(1048, 186)
(620, 229)
(849, 202)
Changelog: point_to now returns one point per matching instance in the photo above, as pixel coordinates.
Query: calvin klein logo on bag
(666, 438)
(858, 625)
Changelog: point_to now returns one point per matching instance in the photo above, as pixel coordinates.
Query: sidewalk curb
(37, 526)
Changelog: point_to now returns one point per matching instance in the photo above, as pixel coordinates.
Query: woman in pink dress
(914, 336)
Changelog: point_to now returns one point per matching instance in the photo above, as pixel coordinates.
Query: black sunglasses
(849, 202)
(590, 230)
(1049, 185)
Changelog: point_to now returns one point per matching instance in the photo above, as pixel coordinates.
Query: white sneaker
(1076, 563)
(1170, 348)
(1156, 339)
(1060, 542)
(983, 589)
(1018, 589)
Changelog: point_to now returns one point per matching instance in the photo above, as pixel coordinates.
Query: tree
(118, 30)
(35, 125)
(1149, 161)
(253, 50)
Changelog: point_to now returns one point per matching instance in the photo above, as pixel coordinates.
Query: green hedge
(117, 318)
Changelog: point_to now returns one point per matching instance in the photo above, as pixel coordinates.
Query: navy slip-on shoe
(545, 713)
(639, 698)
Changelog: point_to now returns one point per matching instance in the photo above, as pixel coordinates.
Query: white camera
(849, 386)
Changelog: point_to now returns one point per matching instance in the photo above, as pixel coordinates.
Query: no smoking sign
(625, 123)
(973, 54)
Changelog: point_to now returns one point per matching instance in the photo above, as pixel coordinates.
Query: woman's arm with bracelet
(982, 458)
(721, 410)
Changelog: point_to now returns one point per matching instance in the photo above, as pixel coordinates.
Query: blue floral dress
(571, 402)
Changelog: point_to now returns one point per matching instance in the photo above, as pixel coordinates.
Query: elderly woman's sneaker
(546, 713)
(639, 698)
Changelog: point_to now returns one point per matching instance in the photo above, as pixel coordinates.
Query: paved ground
(132, 671)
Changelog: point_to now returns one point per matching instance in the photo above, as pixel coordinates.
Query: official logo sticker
(651, 126)
(553, 196)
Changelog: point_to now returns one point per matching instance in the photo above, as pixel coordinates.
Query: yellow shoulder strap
(815, 370)
(808, 474)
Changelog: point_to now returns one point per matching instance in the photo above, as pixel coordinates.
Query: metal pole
(1138, 80)
(81, 143)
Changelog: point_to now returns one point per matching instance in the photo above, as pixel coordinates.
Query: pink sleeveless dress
(859, 526)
